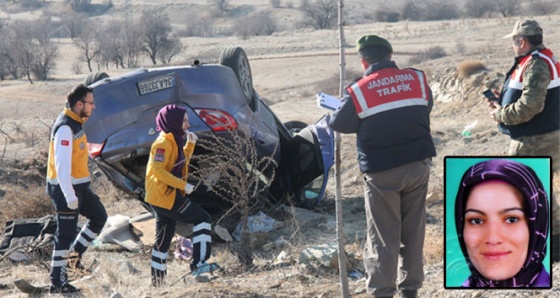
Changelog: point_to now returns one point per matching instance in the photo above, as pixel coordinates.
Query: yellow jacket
(161, 184)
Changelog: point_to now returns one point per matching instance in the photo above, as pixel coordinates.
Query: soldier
(528, 109)
(389, 111)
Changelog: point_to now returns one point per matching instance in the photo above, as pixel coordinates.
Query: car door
(310, 159)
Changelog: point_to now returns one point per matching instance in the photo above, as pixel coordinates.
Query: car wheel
(94, 77)
(236, 59)
(295, 126)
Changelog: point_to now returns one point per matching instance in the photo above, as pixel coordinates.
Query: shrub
(543, 7)
(441, 10)
(386, 16)
(259, 23)
(331, 84)
(411, 11)
(468, 67)
(25, 195)
(275, 3)
(434, 52)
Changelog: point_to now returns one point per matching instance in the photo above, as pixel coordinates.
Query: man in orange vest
(388, 109)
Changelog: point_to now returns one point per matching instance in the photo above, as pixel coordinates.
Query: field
(289, 68)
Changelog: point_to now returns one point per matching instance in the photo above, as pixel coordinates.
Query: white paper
(327, 101)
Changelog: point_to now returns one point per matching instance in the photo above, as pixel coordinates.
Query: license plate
(156, 84)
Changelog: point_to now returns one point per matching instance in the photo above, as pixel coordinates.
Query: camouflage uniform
(536, 78)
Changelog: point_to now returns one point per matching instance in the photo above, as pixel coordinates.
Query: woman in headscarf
(502, 220)
(167, 192)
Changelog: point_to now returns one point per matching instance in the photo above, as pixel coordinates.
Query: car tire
(236, 59)
(94, 77)
(295, 126)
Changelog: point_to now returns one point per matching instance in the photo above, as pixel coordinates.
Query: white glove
(72, 203)
(191, 137)
(189, 188)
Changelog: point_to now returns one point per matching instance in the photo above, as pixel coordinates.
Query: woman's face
(496, 233)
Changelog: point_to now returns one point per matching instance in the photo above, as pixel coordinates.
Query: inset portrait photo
(497, 222)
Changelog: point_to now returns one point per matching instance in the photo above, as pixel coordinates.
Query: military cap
(371, 41)
(525, 28)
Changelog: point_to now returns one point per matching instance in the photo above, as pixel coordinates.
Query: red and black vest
(393, 106)
(387, 89)
(548, 119)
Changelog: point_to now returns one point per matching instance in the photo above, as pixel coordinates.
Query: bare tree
(233, 170)
(156, 32)
(132, 45)
(478, 8)
(9, 63)
(4, 54)
(440, 10)
(73, 23)
(79, 5)
(88, 41)
(220, 7)
(275, 3)
(111, 45)
(411, 10)
(320, 14)
(507, 8)
(543, 7)
(23, 46)
(46, 50)
(171, 48)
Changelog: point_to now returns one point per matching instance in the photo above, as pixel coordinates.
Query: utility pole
(343, 272)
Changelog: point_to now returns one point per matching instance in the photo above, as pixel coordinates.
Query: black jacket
(390, 138)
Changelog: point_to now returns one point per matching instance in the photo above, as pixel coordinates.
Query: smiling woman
(502, 223)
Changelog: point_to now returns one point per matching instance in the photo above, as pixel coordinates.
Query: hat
(370, 41)
(525, 28)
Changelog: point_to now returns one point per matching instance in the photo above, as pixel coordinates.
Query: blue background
(456, 270)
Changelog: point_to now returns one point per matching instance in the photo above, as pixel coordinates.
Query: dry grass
(433, 247)
(469, 67)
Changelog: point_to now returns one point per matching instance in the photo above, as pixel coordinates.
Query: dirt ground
(288, 69)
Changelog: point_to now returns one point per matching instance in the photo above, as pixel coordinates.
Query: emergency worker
(388, 109)
(528, 106)
(167, 192)
(68, 185)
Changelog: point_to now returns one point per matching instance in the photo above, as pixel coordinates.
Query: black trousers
(67, 238)
(188, 212)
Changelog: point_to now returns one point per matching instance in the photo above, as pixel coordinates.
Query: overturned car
(219, 98)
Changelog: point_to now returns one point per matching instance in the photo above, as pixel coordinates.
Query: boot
(409, 294)
(64, 289)
(158, 277)
(555, 247)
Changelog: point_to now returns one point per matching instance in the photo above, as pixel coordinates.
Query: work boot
(409, 294)
(64, 289)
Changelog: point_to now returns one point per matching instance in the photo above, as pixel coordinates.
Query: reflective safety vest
(79, 171)
(549, 119)
(388, 89)
(516, 78)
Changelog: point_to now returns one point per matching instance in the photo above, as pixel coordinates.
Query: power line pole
(343, 272)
